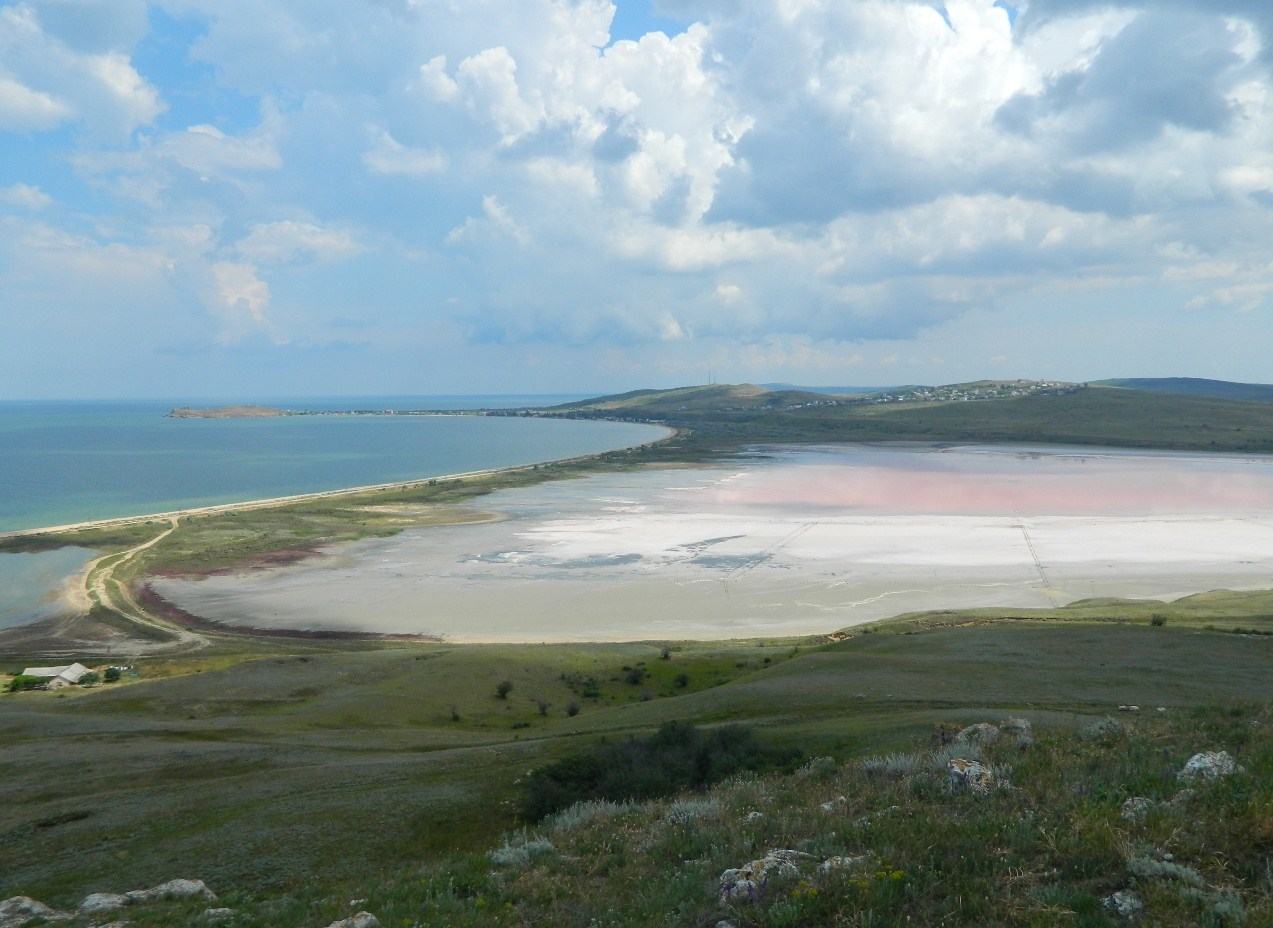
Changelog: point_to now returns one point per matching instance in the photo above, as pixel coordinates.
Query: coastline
(276, 501)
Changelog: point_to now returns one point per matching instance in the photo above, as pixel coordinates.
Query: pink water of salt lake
(785, 542)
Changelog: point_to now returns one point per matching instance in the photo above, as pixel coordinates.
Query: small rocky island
(227, 412)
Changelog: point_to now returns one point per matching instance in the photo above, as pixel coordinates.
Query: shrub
(635, 676)
(24, 682)
(503, 689)
(677, 757)
(1157, 620)
(112, 675)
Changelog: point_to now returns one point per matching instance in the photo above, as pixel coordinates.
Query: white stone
(968, 774)
(746, 884)
(1209, 765)
(217, 914)
(102, 902)
(173, 889)
(18, 910)
(1126, 903)
(358, 920)
(1136, 808)
(834, 864)
(981, 733)
(839, 802)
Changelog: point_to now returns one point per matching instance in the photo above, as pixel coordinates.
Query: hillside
(716, 398)
(393, 772)
(985, 411)
(1194, 386)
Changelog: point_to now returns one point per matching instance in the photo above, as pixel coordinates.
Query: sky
(258, 197)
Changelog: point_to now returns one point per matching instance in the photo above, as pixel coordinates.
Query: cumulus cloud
(388, 156)
(241, 300)
(820, 174)
(289, 240)
(25, 196)
(50, 81)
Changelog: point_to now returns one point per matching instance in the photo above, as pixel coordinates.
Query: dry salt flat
(785, 541)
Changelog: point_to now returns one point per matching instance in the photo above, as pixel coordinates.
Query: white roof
(71, 673)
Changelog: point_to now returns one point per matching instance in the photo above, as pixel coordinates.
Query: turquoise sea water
(72, 462)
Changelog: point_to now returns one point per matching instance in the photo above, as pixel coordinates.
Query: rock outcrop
(964, 774)
(358, 920)
(1209, 765)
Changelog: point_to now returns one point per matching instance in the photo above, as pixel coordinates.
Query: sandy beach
(789, 543)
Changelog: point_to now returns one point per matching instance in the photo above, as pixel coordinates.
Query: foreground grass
(1049, 845)
(364, 765)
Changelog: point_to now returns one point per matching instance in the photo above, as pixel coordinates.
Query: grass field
(255, 773)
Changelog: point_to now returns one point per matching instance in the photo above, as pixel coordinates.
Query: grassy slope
(254, 775)
(1196, 386)
(1093, 416)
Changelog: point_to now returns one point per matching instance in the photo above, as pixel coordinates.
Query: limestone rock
(833, 805)
(981, 733)
(968, 774)
(1126, 903)
(1209, 765)
(173, 889)
(1019, 730)
(18, 910)
(753, 816)
(358, 920)
(94, 903)
(217, 914)
(747, 884)
(1136, 808)
(835, 864)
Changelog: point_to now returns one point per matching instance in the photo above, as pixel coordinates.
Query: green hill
(1195, 386)
(715, 398)
(984, 411)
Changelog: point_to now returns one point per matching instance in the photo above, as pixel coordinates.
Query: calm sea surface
(63, 462)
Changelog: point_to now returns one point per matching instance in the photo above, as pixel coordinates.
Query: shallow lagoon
(788, 541)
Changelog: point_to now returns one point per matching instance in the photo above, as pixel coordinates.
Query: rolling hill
(982, 411)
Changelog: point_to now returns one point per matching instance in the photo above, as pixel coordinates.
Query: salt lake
(785, 541)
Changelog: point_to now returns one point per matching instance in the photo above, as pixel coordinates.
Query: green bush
(678, 756)
(112, 675)
(24, 682)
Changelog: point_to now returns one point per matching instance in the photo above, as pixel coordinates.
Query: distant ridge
(1195, 386)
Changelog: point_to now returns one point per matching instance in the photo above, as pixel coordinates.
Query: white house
(58, 676)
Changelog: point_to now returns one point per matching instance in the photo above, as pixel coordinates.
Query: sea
(63, 462)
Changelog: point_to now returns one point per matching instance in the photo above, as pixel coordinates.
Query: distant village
(981, 390)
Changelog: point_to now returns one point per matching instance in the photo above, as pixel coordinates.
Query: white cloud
(23, 108)
(241, 300)
(50, 82)
(289, 240)
(389, 156)
(208, 151)
(820, 173)
(496, 223)
(25, 196)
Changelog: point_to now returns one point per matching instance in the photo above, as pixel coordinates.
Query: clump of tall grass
(520, 850)
(586, 813)
(690, 811)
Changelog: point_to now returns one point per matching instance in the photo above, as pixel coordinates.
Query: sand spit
(789, 543)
